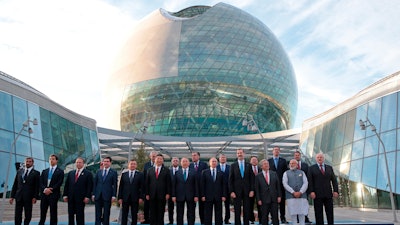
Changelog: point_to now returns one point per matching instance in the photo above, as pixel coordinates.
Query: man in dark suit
(148, 165)
(158, 189)
(185, 190)
(77, 192)
(171, 205)
(212, 192)
(51, 180)
(104, 191)
(301, 165)
(256, 169)
(279, 165)
(25, 191)
(198, 166)
(268, 193)
(131, 192)
(224, 168)
(321, 182)
(241, 186)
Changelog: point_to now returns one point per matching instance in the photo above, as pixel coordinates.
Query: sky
(65, 49)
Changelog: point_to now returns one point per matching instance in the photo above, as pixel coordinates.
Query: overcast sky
(65, 48)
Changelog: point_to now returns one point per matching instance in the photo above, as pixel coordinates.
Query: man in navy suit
(256, 169)
(77, 192)
(104, 191)
(131, 192)
(279, 165)
(158, 190)
(224, 168)
(51, 180)
(241, 186)
(268, 193)
(322, 185)
(25, 191)
(212, 192)
(198, 166)
(171, 205)
(185, 190)
(146, 206)
(301, 165)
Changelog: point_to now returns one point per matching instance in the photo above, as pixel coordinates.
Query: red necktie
(76, 175)
(157, 173)
(298, 165)
(322, 169)
(255, 170)
(266, 177)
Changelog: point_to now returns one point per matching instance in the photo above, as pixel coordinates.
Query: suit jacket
(304, 167)
(107, 188)
(146, 166)
(28, 189)
(80, 189)
(237, 183)
(210, 189)
(200, 167)
(185, 190)
(131, 191)
(268, 193)
(55, 182)
(322, 184)
(158, 188)
(282, 167)
(226, 176)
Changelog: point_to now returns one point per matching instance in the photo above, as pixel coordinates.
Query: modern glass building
(200, 71)
(358, 156)
(58, 131)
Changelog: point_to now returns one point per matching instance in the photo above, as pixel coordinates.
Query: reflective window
(357, 150)
(37, 149)
(6, 139)
(382, 182)
(389, 141)
(6, 116)
(23, 146)
(361, 115)
(369, 171)
(46, 126)
(20, 114)
(389, 106)
(355, 168)
(371, 146)
(34, 113)
(374, 115)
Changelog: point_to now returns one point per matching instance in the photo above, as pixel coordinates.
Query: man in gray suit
(268, 193)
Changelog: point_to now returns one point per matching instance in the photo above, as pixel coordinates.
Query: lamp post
(252, 126)
(363, 126)
(143, 128)
(25, 127)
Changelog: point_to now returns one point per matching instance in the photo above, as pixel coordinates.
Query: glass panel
(370, 197)
(40, 165)
(46, 126)
(384, 200)
(349, 132)
(389, 141)
(388, 117)
(361, 115)
(48, 150)
(23, 146)
(398, 175)
(55, 130)
(95, 145)
(34, 113)
(371, 146)
(6, 116)
(20, 114)
(382, 181)
(6, 140)
(355, 168)
(4, 167)
(374, 115)
(369, 171)
(357, 150)
(37, 149)
(356, 194)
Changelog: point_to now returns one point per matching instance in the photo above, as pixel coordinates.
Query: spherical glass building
(200, 71)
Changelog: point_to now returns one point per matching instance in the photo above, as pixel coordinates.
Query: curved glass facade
(207, 69)
(53, 134)
(357, 155)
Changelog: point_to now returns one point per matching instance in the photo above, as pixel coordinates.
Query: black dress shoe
(227, 222)
(307, 220)
(283, 220)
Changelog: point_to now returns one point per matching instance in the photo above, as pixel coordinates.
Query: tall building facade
(357, 155)
(58, 130)
(199, 72)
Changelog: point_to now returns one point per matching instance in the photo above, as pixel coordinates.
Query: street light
(252, 126)
(363, 126)
(25, 127)
(143, 128)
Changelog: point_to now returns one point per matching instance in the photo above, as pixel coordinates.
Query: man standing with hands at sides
(241, 186)
(158, 189)
(268, 193)
(224, 168)
(77, 192)
(198, 166)
(148, 165)
(25, 191)
(130, 192)
(51, 180)
(304, 167)
(212, 192)
(185, 189)
(321, 182)
(104, 191)
(171, 205)
(279, 165)
(256, 170)
(296, 184)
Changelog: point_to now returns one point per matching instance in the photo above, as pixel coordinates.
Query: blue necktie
(213, 174)
(276, 162)
(184, 175)
(50, 174)
(241, 169)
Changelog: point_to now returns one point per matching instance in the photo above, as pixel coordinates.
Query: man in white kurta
(295, 183)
